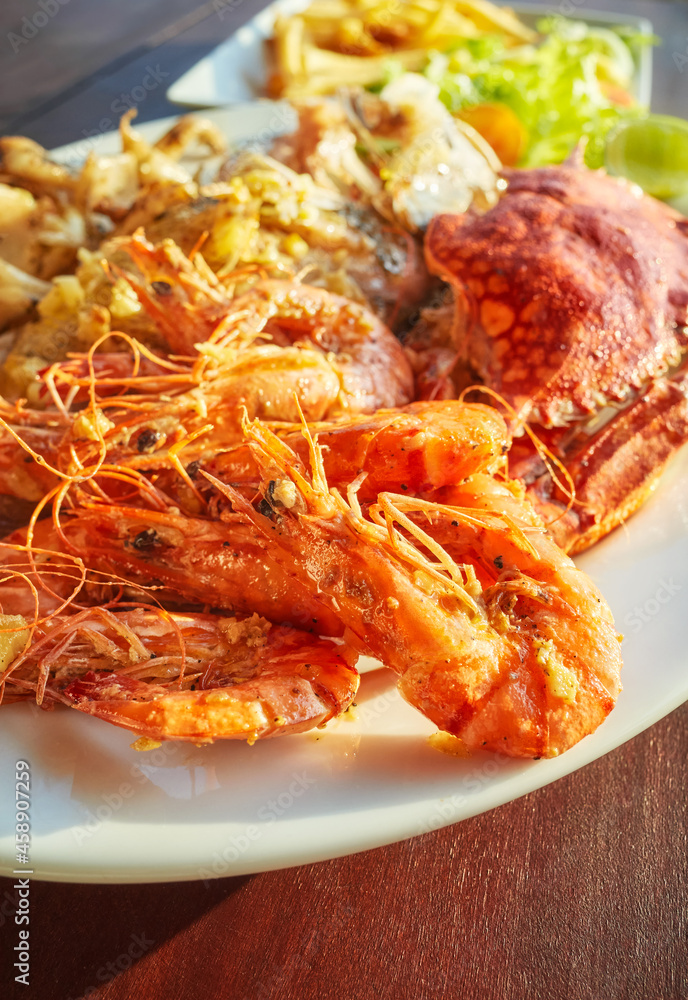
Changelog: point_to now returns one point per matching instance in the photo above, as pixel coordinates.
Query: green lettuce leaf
(561, 89)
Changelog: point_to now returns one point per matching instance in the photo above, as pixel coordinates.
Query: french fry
(324, 72)
(289, 46)
(335, 43)
(490, 18)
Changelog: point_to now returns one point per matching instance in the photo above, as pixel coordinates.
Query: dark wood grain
(81, 36)
(575, 892)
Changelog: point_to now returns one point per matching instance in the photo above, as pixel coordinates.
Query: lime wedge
(651, 152)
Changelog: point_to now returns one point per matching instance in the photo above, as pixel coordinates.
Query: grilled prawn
(189, 304)
(186, 676)
(512, 648)
(161, 674)
(149, 530)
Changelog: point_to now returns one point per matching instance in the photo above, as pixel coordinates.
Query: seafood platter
(305, 407)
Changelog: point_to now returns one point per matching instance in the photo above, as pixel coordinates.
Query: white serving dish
(237, 70)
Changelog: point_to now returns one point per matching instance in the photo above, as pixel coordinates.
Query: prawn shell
(526, 662)
(417, 448)
(193, 677)
(554, 601)
(285, 698)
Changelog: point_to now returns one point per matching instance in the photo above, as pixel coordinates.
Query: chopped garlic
(91, 426)
(145, 743)
(12, 641)
(451, 745)
(561, 682)
(252, 631)
(295, 246)
(284, 493)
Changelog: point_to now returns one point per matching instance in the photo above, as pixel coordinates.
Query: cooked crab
(571, 298)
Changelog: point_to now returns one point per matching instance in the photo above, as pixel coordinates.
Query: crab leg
(615, 470)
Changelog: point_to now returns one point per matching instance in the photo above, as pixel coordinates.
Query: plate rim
(187, 93)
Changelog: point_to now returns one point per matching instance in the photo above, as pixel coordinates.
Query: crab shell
(572, 292)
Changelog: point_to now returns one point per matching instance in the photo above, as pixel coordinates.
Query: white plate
(237, 71)
(102, 812)
(255, 123)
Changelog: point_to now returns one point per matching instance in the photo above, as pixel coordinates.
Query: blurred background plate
(237, 69)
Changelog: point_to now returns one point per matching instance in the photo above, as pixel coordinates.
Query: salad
(533, 94)
(577, 82)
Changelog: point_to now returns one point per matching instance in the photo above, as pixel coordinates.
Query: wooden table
(577, 891)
